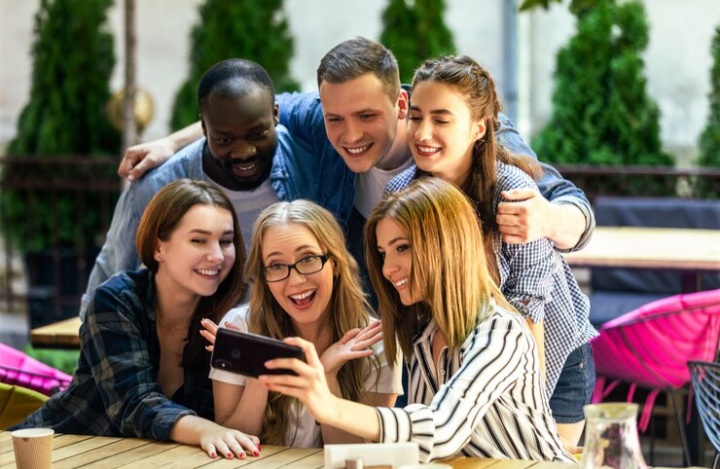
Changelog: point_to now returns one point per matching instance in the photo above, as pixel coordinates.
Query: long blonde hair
(348, 305)
(449, 269)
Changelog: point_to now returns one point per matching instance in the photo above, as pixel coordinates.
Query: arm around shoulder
(141, 158)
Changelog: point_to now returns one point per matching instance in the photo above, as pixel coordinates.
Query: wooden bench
(63, 334)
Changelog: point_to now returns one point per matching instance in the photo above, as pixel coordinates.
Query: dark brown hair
(161, 217)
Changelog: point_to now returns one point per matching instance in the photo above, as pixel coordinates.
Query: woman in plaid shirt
(143, 369)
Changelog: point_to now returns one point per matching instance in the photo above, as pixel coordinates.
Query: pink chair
(17, 367)
(652, 345)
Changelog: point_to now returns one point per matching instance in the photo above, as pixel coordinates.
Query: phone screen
(245, 353)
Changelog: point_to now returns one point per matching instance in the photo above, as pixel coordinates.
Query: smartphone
(246, 353)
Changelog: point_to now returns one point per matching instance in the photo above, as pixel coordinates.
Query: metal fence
(54, 213)
(644, 181)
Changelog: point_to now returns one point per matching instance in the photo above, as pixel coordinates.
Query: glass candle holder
(611, 437)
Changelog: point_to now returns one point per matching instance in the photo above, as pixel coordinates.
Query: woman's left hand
(229, 443)
(210, 331)
(354, 344)
(309, 386)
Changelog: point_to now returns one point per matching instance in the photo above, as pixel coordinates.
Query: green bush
(602, 114)
(249, 29)
(709, 143)
(73, 59)
(63, 360)
(415, 30)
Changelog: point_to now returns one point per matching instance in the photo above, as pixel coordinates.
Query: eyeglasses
(306, 265)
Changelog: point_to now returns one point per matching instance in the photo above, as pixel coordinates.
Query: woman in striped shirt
(451, 131)
(475, 385)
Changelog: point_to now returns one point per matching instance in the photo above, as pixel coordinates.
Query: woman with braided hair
(451, 133)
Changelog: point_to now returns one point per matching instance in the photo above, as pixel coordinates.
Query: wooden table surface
(73, 451)
(62, 334)
(660, 248)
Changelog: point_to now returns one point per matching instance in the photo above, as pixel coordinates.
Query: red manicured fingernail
(229, 455)
(256, 453)
(242, 455)
(213, 455)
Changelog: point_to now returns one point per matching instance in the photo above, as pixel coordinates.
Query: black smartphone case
(246, 353)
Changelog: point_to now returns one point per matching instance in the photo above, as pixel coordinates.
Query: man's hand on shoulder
(141, 158)
(524, 216)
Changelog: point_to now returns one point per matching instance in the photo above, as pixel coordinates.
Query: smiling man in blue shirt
(244, 151)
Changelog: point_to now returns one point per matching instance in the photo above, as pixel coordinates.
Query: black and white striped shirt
(536, 280)
(484, 400)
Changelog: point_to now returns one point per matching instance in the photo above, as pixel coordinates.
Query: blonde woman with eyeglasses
(306, 284)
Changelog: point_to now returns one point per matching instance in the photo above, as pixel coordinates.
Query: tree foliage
(709, 143)
(249, 29)
(73, 60)
(710, 138)
(415, 30)
(574, 4)
(602, 114)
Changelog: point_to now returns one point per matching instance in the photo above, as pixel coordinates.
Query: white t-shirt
(308, 433)
(249, 204)
(370, 186)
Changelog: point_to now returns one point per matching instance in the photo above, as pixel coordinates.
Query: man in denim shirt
(360, 115)
(252, 158)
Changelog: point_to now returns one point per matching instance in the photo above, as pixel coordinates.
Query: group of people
(407, 240)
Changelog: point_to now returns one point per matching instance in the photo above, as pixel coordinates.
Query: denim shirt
(296, 174)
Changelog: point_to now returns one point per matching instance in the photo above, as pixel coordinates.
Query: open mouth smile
(303, 299)
(208, 272)
(357, 151)
(424, 150)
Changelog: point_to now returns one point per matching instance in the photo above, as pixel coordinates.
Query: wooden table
(71, 451)
(62, 334)
(659, 248)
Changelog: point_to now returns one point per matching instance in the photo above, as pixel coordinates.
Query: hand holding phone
(246, 353)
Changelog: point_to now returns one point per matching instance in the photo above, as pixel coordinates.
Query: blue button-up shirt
(297, 173)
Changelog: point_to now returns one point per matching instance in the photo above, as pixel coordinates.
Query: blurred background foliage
(66, 115)
(415, 30)
(249, 29)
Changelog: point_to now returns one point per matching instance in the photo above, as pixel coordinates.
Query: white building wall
(677, 60)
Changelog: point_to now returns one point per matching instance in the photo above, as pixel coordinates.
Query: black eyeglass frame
(323, 260)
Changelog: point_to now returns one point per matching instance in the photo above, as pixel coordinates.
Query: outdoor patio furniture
(16, 403)
(706, 386)
(650, 348)
(616, 291)
(17, 367)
